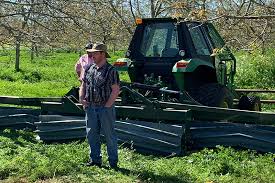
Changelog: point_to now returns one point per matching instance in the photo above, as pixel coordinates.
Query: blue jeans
(101, 118)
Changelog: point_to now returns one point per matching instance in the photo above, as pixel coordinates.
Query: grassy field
(51, 74)
(255, 70)
(23, 159)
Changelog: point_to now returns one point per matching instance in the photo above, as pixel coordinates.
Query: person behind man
(98, 92)
(84, 61)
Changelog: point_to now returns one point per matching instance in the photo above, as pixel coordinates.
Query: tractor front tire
(251, 103)
(214, 95)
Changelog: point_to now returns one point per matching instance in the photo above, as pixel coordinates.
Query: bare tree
(37, 21)
(245, 24)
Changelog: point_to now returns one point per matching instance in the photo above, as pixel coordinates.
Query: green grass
(50, 74)
(26, 160)
(255, 70)
(23, 159)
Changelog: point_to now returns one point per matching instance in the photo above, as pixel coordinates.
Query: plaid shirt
(98, 83)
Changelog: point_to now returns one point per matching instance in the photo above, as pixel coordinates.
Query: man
(98, 92)
(84, 61)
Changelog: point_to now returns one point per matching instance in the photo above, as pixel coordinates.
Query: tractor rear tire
(214, 95)
(251, 103)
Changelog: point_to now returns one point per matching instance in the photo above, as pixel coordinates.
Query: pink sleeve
(82, 75)
(78, 67)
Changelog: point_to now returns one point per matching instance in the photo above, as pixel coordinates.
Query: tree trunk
(36, 50)
(32, 52)
(17, 58)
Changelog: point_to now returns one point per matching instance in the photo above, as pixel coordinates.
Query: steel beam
(215, 113)
(28, 101)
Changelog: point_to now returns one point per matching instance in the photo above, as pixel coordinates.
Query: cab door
(225, 62)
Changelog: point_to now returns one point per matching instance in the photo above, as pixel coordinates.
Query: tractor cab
(187, 56)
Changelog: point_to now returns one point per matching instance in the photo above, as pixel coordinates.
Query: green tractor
(185, 56)
(181, 96)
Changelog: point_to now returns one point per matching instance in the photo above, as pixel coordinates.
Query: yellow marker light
(138, 21)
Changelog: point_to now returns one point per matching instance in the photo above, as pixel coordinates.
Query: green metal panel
(65, 107)
(18, 121)
(215, 113)
(148, 113)
(153, 138)
(4, 111)
(209, 134)
(28, 101)
(166, 115)
(163, 138)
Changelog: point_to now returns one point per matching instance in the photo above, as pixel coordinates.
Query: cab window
(197, 37)
(160, 40)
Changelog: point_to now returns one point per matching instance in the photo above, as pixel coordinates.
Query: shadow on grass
(152, 177)
(15, 134)
(148, 176)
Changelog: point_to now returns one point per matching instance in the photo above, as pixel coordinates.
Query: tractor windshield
(160, 40)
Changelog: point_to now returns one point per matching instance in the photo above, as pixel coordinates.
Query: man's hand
(113, 96)
(82, 93)
(84, 103)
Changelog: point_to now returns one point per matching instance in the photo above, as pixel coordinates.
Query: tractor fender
(190, 65)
